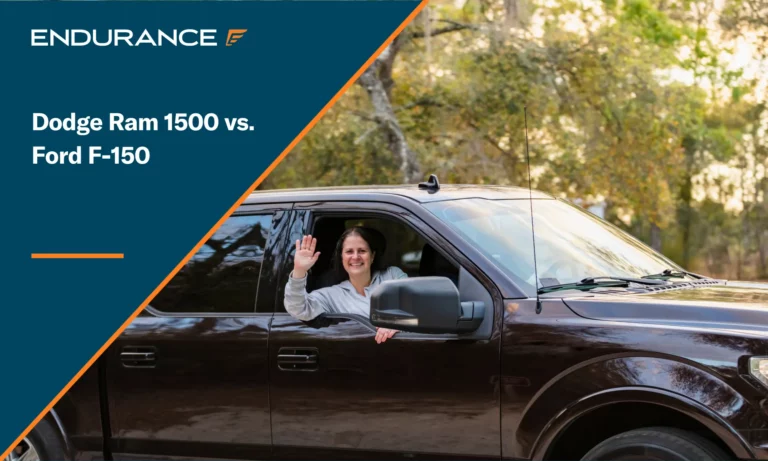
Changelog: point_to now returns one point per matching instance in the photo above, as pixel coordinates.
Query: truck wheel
(656, 443)
(43, 443)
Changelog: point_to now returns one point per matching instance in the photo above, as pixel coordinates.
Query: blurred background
(649, 113)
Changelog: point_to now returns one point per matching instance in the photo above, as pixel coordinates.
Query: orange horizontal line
(78, 255)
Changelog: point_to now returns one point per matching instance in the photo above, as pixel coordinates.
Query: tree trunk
(686, 197)
(762, 270)
(761, 202)
(513, 13)
(384, 115)
(655, 237)
(385, 64)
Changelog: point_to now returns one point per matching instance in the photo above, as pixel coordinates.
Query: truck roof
(411, 191)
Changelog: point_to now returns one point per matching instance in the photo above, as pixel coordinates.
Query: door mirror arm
(472, 315)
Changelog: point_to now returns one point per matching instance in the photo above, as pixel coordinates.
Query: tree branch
(367, 133)
(444, 30)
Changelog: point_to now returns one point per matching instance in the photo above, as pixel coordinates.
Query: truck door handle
(138, 356)
(297, 358)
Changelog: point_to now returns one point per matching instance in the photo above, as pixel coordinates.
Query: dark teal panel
(57, 313)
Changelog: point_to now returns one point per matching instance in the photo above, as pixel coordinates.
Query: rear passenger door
(188, 378)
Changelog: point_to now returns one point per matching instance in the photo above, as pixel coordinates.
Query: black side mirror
(424, 305)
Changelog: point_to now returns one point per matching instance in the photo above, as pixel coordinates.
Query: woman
(356, 254)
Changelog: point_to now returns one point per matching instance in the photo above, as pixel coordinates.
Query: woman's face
(356, 256)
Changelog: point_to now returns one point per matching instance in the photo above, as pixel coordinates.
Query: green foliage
(653, 25)
(605, 121)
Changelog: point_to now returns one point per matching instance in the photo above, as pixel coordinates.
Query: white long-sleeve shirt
(336, 299)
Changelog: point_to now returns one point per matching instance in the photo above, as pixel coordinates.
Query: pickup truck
(528, 328)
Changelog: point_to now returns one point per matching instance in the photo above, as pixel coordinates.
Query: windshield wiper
(600, 281)
(669, 273)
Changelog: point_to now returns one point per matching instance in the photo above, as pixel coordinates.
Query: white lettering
(208, 37)
(118, 122)
(146, 38)
(117, 37)
(123, 34)
(81, 125)
(35, 125)
(183, 33)
(96, 40)
(64, 39)
(93, 153)
(163, 36)
(57, 158)
(85, 40)
(36, 37)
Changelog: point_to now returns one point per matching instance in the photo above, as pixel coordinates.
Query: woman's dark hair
(376, 242)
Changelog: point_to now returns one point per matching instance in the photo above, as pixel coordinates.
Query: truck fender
(685, 387)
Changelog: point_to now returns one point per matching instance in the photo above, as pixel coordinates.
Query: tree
(607, 122)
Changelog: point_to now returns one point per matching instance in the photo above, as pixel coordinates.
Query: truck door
(336, 393)
(188, 378)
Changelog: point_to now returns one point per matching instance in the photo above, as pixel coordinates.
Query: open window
(405, 248)
(410, 246)
(402, 247)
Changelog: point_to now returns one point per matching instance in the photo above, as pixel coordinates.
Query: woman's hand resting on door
(383, 334)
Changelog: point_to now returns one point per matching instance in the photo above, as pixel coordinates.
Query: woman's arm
(299, 303)
(394, 273)
(302, 305)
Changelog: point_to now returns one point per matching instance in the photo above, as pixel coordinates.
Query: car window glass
(571, 244)
(223, 275)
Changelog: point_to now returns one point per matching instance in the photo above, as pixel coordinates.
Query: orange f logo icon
(235, 35)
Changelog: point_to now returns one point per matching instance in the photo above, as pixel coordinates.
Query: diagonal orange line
(231, 210)
(78, 255)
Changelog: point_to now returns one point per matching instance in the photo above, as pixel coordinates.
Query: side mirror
(424, 305)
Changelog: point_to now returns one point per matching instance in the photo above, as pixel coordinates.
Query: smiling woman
(355, 258)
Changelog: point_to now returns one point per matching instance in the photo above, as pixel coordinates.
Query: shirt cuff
(302, 279)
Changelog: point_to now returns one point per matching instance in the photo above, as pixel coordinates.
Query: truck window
(404, 248)
(223, 276)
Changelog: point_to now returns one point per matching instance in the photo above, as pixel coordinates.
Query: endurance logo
(235, 35)
(127, 37)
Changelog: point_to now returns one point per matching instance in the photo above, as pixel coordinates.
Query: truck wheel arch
(669, 384)
(53, 416)
(48, 438)
(686, 408)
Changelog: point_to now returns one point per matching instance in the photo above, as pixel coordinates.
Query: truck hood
(728, 305)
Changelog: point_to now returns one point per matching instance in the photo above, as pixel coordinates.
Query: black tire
(656, 443)
(46, 439)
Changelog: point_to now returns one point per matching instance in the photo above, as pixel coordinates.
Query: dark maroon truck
(593, 346)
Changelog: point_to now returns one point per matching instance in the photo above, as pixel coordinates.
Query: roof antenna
(530, 199)
(432, 185)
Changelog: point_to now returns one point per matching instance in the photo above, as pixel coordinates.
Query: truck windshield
(571, 244)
